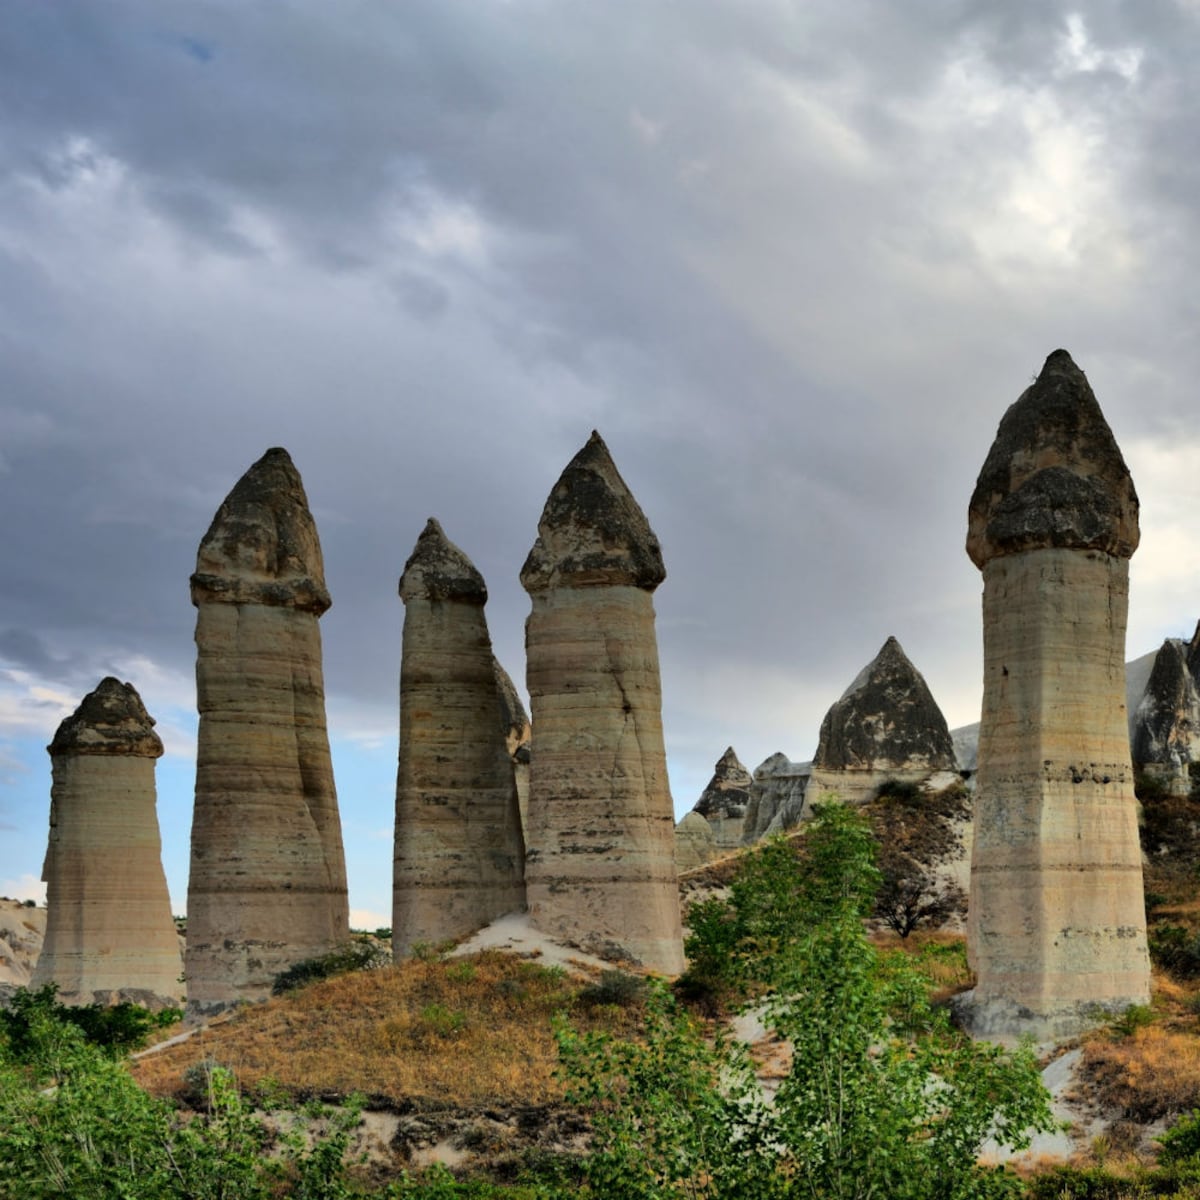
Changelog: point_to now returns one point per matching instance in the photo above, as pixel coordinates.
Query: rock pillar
(1166, 725)
(885, 726)
(268, 879)
(723, 803)
(1057, 927)
(109, 931)
(600, 866)
(459, 861)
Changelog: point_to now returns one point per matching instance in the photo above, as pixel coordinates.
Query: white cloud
(25, 887)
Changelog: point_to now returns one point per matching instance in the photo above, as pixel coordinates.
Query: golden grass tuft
(1153, 1073)
(471, 1031)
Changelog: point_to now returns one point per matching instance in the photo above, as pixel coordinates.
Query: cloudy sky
(793, 260)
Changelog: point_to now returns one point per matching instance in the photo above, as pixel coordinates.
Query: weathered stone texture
(886, 725)
(459, 855)
(518, 736)
(777, 796)
(109, 928)
(1057, 926)
(695, 843)
(1166, 726)
(22, 932)
(600, 868)
(268, 880)
(724, 801)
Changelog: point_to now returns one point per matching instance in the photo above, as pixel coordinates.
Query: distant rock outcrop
(886, 725)
(22, 931)
(268, 879)
(459, 855)
(109, 932)
(723, 802)
(518, 735)
(1056, 927)
(1166, 726)
(777, 793)
(694, 842)
(600, 866)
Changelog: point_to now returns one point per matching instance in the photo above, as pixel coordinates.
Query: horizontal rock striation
(459, 854)
(777, 797)
(695, 844)
(600, 866)
(109, 930)
(1056, 927)
(267, 886)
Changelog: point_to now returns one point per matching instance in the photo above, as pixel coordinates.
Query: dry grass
(472, 1031)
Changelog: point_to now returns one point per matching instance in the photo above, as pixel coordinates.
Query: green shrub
(1083, 1183)
(615, 987)
(1175, 949)
(361, 954)
(116, 1028)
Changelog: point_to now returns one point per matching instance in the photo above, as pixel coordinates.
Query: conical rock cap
(592, 531)
(262, 545)
(438, 570)
(110, 720)
(1054, 476)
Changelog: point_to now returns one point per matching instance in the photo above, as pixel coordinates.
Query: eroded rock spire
(459, 853)
(600, 867)
(109, 931)
(267, 886)
(1057, 929)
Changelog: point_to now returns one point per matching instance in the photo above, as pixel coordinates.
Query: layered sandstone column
(518, 734)
(109, 931)
(268, 877)
(459, 861)
(600, 864)
(1057, 927)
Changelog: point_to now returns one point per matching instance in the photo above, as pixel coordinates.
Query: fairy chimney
(886, 726)
(459, 856)
(1057, 927)
(109, 931)
(723, 802)
(267, 886)
(600, 865)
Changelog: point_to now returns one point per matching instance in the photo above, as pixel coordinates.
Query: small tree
(882, 1101)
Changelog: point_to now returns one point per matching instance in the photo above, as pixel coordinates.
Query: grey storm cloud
(793, 261)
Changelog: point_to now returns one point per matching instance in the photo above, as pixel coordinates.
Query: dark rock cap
(728, 792)
(262, 546)
(1168, 716)
(1054, 476)
(887, 718)
(1193, 654)
(514, 721)
(110, 720)
(592, 531)
(438, 570)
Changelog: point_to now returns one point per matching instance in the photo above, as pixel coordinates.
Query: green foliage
(882, 1098)
(1084, 1183)
(615, 987)
(1175, 949)
(442, 1022)
(1135, 1017)
(74, 1123)
(116, 1028)
(361, 954)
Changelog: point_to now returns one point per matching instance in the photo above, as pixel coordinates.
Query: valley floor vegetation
(872, 1095)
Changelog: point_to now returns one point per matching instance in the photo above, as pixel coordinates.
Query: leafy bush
(880, 1090)
(1175, 949)
(615, 987)
(362, 954)
(116, 1028)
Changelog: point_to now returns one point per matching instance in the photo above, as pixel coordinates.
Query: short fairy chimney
(600, 866)
(1057, 927)
(1166, 723)
(459, 855)
(109, 931)
(723, 802)
(886, 726)
(267, 887)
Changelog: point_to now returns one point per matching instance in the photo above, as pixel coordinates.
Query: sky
(792, 260)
